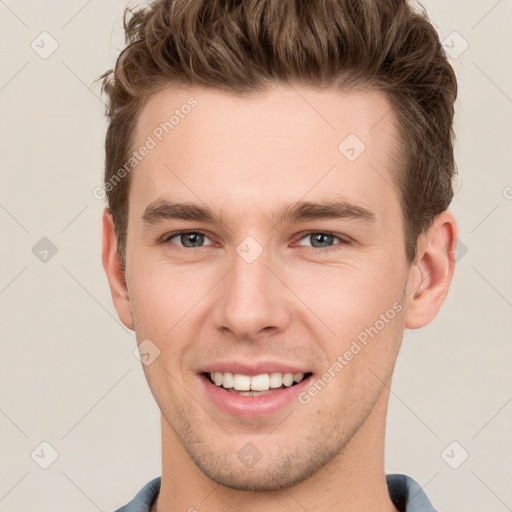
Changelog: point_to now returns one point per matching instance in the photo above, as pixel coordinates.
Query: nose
(252, 298)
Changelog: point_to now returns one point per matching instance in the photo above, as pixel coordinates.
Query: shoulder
(407, 495)
(144, 499)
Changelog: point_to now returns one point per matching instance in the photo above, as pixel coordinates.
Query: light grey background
(68, 376)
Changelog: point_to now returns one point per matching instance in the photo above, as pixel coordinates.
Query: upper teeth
(261, 382)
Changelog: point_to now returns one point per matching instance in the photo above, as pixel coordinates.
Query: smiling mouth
(257, 385)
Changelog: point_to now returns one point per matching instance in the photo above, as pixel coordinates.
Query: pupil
(321, 237)
(190, 237)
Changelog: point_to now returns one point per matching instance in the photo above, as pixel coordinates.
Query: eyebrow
(162, 210)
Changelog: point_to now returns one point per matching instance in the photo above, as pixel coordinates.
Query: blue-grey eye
(320, 240)
(187, 239)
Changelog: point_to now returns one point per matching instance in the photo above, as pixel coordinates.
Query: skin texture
(296, 303)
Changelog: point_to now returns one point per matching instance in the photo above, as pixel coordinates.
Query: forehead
(272, 148)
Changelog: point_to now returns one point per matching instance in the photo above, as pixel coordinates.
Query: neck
(353, 481)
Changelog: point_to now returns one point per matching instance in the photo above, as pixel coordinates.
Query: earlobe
(115, 272)
(431, 275)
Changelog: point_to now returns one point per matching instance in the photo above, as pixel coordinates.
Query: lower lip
(252, 406)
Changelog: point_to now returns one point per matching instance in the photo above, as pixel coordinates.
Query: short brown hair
(243, 46)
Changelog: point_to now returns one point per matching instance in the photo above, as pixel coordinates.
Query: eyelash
(167, 240)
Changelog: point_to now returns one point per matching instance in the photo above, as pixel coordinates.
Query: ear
(115, 272)
(431, 274)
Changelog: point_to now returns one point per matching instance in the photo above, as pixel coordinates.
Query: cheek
(348, 297)
(162, 294)
(364, 313)
(166, 301)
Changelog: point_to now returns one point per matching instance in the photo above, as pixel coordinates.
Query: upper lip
(253, 368)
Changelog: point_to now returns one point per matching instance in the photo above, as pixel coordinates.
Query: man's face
(265, 292)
